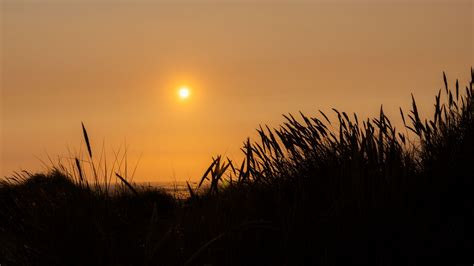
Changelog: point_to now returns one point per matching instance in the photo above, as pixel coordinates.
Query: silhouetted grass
(305, 194)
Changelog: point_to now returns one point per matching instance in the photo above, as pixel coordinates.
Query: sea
(177, 189)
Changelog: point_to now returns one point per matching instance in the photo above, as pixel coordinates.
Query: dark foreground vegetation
(305, 194)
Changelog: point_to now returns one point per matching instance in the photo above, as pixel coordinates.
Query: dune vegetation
(305, 194)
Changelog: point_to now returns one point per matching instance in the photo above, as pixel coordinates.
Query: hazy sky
(116, 66)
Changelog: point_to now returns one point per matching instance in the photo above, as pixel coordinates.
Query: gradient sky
(116, 66)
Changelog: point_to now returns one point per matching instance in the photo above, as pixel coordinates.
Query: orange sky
(116, 66)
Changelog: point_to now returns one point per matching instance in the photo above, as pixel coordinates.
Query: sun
(184, 92)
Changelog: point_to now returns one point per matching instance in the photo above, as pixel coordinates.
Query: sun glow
(184, 93)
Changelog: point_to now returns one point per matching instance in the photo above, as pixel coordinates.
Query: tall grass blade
(191, 191)
(86, 138)
(127, 184)
(79, 169)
